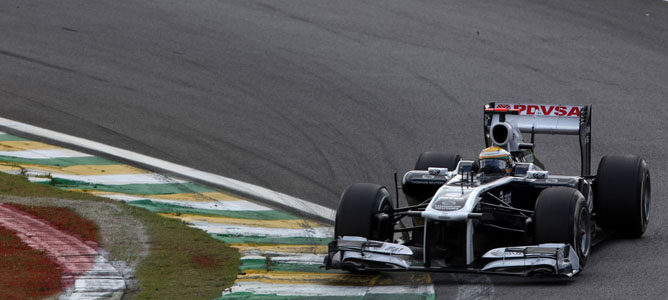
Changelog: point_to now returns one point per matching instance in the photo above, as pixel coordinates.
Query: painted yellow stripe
(96, 193)
(193, 197)
(24, 145)
(280, 277)
(88, 169)
(307, 249)
(7, 168)
(289, 224)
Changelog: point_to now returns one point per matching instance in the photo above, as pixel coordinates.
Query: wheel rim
(583, 233)
(384, 207)
(646, 193)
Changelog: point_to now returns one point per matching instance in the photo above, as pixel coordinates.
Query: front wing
(358, 254)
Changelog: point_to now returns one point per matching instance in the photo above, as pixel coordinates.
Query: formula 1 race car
(499, 214)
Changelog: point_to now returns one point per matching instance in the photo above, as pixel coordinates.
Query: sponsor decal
(506, 197)
(393, 249)
(539, 175)
(498, 252)
(544, 109)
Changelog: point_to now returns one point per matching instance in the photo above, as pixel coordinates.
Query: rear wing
(544, 119)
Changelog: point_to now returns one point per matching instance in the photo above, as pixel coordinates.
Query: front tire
(437, 160)
(623, 194)
(365, 210)
(415, 196)
(562, 216)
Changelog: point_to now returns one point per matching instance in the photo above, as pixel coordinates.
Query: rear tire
(562, 216)
(358, 211)
(623, 194)
(437, 160)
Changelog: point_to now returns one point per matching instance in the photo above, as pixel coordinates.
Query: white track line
(305, 259)
(232, 185)
(241, 230)
(101, 282)
(119, 179)
(260, 288)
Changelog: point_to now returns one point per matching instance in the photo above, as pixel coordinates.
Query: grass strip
(184, 262)
(145, 189)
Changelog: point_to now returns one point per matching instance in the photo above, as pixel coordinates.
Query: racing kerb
(281, 252)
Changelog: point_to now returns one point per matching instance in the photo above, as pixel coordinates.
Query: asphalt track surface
(306, 97)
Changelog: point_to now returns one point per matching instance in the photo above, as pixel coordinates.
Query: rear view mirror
(465, 166)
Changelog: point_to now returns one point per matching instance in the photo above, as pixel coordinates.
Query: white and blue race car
(521, 221)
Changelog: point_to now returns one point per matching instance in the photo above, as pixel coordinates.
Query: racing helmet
(495, 161)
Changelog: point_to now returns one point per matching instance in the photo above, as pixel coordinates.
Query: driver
(495, 161)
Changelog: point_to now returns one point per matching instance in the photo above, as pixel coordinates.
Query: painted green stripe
(161, 207)
(301, 268)
(236, 239)
(8, 137)
(261, 264)
(254, 264)
(249, 295)
(147, 189)
(60, 162)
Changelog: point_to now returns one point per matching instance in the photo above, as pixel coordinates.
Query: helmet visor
(493, 166)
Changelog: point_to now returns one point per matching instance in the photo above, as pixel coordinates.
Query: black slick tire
(562, 216)
(623, 194)
(359, 210)
(437, 160)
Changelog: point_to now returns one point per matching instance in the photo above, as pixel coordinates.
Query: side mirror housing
(525, 146)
